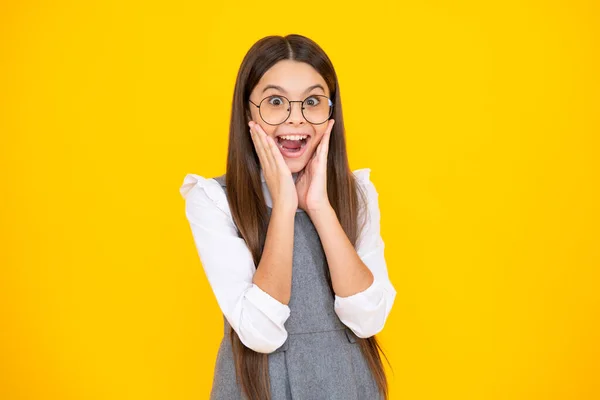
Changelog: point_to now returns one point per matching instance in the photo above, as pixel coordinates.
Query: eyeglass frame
(290, 110)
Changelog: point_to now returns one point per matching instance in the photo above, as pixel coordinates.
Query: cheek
(268, 129)
(309, 152)
(317, 140)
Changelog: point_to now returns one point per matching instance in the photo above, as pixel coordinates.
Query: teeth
(293, 137)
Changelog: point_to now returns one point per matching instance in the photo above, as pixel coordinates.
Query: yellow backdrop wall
(479, 121)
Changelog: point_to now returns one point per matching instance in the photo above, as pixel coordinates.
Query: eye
(312, 101)
(275, 101)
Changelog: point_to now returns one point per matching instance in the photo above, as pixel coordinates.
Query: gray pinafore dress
(321, 359)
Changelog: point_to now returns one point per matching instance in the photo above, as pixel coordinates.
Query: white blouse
(258, 318)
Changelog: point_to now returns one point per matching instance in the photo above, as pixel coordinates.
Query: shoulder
(362, 175)
(364, 183)
(204, 193)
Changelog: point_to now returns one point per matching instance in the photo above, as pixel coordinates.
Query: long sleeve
(256, 317)
(365, 312)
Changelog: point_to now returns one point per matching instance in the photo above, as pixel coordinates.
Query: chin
(295, 166)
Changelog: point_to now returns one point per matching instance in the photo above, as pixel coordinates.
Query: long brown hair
(245, 196)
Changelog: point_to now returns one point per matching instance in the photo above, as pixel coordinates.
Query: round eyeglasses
(276, 109)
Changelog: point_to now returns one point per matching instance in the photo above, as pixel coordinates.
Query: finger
(257, 145)
(263, 137)
(260, 151)
(324, 147)
(319, 146)
(318, 150)
(325, 141)
(277, 156)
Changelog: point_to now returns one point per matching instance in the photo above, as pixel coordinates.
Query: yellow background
(479, 121)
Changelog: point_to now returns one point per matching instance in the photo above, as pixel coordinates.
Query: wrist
(325, 210)
(283, 208)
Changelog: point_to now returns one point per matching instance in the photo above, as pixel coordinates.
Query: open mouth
(292, 145)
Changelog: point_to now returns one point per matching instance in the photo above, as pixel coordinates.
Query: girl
(289, 238)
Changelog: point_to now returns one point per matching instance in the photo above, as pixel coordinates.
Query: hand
(277, 174)
(311, 182)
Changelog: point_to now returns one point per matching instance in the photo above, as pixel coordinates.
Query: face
(296, 81)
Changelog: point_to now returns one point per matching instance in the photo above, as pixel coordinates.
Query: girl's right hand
(277, 174)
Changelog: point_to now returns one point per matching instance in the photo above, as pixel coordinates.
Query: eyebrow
(317, 86)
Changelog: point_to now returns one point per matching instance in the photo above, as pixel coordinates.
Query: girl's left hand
(311, 182)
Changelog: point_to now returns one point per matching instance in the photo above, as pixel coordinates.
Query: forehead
(293, 76)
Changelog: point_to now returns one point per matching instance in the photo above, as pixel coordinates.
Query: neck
(294, 175)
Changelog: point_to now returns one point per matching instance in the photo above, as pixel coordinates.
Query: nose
(296, 116)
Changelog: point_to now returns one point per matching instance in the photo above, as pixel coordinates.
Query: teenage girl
(289, 238)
